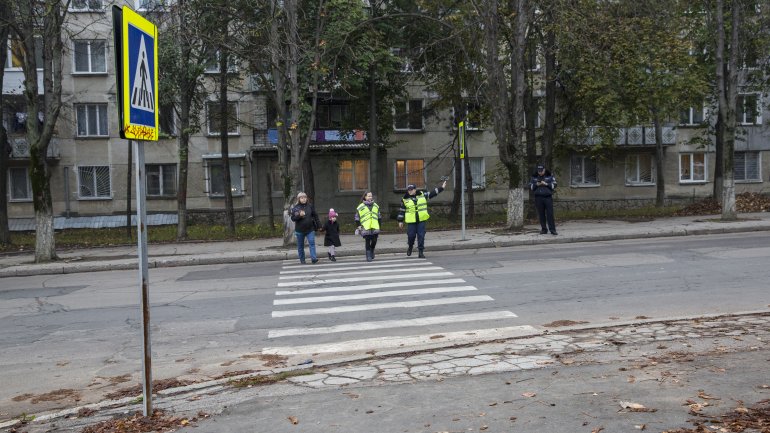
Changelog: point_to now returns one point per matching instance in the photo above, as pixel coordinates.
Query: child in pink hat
(332, 236)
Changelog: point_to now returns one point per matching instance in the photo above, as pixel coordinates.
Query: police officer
(543, 183)
(414, 212)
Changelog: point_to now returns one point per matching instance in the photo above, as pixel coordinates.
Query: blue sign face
(141, 77)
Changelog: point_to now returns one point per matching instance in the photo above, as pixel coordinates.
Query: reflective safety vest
(412, 210)
(368, 217)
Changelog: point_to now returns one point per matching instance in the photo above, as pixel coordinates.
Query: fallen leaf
(493, 404)
(631, 379)
(529, 394)
(484, 427)
(351, 394)
(635, 407)
(293, 420)
(705, 396)
(513, 418)
(184, 422)
(641, 427)
(597, 429)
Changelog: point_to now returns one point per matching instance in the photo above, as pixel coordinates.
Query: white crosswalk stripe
(393, 296)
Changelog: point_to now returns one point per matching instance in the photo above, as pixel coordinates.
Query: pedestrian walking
(368, 221)
(414, 212)
(542, 184)
(332, 234)
(305, 224)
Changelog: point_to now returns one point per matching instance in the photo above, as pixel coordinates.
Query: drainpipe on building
(66, 192)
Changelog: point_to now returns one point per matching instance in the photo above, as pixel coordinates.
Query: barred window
(746, 166)
(583, 171)
(94, 182)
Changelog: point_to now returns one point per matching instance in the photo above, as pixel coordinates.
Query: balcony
(321, 139)
(635, 136)
(20, 148)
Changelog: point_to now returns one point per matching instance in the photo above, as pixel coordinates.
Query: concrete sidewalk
(203, 253)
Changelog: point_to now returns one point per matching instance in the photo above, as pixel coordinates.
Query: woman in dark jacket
(305, 224)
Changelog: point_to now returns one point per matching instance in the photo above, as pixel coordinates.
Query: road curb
(265, 256)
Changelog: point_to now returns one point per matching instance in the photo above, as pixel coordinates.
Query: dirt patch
(58, 395)
(157, 385)
(159, 421)
(119, 379)
(268, 360)
(559, 323)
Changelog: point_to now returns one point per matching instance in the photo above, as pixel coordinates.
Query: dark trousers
(544, 206)
(370, 241)
(418, 230)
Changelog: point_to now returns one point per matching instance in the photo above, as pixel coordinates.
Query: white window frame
(353, 175)
(234, 122)
(691, 167)
(691, 116)
(210, 161)
(87, 6)
(397, 183)
(89, 54)
(633, 170)
(101, 111)
(479, 178)
(741, 114)
(743, 154)
(407, 113)
(141, 5)
(583, 183)
(212, 66)
(162, 169)
(96, 171)
(27, 187)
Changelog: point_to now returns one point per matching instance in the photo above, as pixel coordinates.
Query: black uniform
(544, 199)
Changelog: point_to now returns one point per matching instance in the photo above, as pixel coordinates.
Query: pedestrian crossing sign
(137, 65)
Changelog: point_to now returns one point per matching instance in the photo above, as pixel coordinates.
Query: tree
(30, 19)
(182, 57)
(504, 42)
(5, 234)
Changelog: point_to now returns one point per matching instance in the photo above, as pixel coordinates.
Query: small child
(332, 236)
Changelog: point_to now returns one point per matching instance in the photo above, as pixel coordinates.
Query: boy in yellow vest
(414, 212)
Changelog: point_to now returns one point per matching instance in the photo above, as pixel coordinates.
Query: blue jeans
(418, 230)
(301, 245)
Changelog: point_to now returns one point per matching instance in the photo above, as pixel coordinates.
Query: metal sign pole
(141, 232)
(462, 177)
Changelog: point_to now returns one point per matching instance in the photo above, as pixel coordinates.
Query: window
(640, 169)
(216, 177)
(746, 166)
(353, 175)
(90, 57)
(747, 110)
(331, 116)
(19, 186)
(232, 118)
(408, 115)
(148, 5)
(691, 116)
(92, 120)
(94, 182)
(211, 65)
(161, 180)
(409, 171)
(473, 116)
(583, 171)
(692, 167)
(16, 53)
(477, 173)
(167, 120)
(86, 5)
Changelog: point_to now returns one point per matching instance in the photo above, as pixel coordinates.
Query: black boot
(332, 258)
(409, 250)
(368, 255)
(372, 253)
(421, 255)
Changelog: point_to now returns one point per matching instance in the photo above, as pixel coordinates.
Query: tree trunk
(270, 209)
(727, 87)
(224, 122)
(719, 149)
(309, 180)
(469, 187)
(183, 151)
(549, 123)
(374, 184)
(5, 147)
(660, 179)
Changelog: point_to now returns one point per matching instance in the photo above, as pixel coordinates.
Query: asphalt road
(81, 332)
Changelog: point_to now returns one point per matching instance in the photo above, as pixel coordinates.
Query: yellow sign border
(134, 131)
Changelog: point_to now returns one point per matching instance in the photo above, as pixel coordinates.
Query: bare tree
(30, 19)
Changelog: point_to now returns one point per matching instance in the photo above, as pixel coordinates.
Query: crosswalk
(394, 302)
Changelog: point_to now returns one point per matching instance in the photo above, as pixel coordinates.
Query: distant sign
(137, 74)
